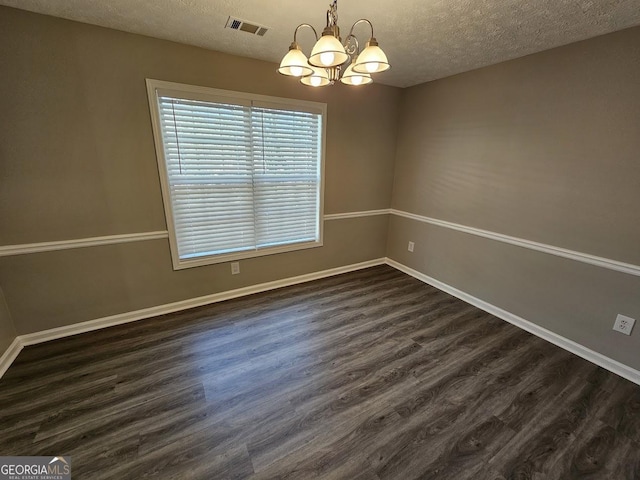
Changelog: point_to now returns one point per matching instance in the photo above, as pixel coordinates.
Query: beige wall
(7, 331)
(78, 161)
(544, 148)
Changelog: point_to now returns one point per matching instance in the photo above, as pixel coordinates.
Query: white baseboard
(594, 357)
(118, 319)
(44, 336)
(10, 355)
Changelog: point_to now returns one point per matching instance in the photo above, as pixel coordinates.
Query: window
(241, 174)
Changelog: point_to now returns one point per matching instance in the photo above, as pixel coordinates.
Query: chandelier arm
(351, 46)
(295, 34)
(362, 20)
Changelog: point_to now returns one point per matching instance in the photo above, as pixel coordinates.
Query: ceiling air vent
(245, 26)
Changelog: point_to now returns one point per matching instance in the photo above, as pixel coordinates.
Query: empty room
(320, 239)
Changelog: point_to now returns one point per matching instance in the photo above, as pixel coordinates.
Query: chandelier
(331, 60)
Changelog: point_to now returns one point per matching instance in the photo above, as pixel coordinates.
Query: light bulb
(326, 58)
(356, 80)
(315, 81)
(296, 71)
(371, 67)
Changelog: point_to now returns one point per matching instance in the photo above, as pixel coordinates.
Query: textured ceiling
(424, 39)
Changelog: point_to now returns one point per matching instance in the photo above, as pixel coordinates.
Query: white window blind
(242, 175)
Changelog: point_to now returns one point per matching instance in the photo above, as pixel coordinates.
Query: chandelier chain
(332, 14)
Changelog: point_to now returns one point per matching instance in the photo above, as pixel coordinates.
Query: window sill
(181, 264)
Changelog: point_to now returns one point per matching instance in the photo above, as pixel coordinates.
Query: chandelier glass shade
(350, 77)
(319, 78)
(295, 63)
(372, 59)
(333, 60)
(328, 52)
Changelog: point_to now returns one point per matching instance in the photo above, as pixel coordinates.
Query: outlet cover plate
(624, 324)
(235, 268)
(411, 246)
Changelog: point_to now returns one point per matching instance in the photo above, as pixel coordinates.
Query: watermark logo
(35, 468)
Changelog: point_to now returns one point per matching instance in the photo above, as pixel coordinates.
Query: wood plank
(366, 375)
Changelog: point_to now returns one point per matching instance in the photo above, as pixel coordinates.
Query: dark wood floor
(368, 375)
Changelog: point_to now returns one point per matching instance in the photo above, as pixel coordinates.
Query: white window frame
(178, 90)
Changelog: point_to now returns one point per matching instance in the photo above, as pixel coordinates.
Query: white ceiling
(424, 39)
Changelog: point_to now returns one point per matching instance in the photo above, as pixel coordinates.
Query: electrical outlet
(235, 268)
(410, 247)
(624, 324)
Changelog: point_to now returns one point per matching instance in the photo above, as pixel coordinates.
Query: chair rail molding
(21, 249)
(603, 262)
(25, 248)
(365, 213)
